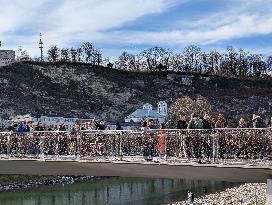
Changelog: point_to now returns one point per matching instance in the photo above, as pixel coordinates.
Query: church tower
(162, 108)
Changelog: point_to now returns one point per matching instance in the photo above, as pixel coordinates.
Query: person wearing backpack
(220, 139)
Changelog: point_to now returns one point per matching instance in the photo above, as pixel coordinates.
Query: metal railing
(229, 146)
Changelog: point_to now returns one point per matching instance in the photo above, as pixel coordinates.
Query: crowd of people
(207, 122)
(29, 126)
(207, 143)
(204, 144)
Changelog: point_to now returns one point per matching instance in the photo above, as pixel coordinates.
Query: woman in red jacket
(161, 140)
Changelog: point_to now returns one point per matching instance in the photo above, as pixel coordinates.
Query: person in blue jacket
(23, 127)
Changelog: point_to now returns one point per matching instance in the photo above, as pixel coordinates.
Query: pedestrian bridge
(236, 155)
(219, 154)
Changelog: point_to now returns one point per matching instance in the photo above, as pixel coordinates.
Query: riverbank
(18, 182)
(245, 193)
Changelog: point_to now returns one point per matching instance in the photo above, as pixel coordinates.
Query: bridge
(237, 155)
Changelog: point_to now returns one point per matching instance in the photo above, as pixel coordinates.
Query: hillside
(84, 91)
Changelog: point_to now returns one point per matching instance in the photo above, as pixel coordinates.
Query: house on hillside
(147, 112)
(7, 57)
(49, 122)
(54, 122)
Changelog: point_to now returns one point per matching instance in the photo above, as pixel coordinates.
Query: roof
(142, 113)
(123, 123)
(22, 118)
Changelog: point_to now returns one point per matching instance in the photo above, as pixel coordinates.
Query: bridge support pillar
(269, 191)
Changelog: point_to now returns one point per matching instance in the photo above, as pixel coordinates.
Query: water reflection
(112, 191)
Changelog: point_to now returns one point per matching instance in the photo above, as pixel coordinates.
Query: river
(112, 191)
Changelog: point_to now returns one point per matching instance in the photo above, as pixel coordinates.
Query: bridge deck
(199, 172)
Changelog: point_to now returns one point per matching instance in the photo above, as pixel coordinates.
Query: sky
(115, 26)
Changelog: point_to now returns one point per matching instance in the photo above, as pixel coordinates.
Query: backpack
(198, 124)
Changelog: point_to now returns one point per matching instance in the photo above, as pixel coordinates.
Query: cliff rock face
(78, 90)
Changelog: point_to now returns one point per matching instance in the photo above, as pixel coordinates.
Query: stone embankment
(245, 194)
(49, 182)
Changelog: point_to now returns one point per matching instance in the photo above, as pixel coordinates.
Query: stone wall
(6, 57)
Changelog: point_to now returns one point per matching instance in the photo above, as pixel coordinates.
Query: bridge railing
(247, 146)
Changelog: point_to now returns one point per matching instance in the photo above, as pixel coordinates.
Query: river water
(112, 191)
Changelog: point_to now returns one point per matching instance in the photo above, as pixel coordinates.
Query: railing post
(165, 145)
(78, 149)
(121, 146)
(57, 150)
(42, 147)
(215, 148)
(183, 144)
(8, 145)
(17, 144)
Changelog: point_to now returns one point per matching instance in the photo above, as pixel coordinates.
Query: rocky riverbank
(245, 194)
(42, 181)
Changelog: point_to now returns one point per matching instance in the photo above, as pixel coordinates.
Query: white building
(7, 57)
(147, 112)
(69, 123)
(52, 122)
(124, 125)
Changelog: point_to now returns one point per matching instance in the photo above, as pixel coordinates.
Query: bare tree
(177, 62)
(88, 51)
(230, 62)
(186, 105)
(65, 55)
(269, 65)
(79, 55)
(73, 52)
(214, 61)
(257, 64)
(242, 63)
(22, 55)
(191, 57)
(97, 57)
(53, 54)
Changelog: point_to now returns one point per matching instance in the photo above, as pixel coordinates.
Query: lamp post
(41, 46)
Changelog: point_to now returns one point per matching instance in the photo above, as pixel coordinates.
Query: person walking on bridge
(161, 141)
(150, 140)
(182, 123)
(242, 123)
(220, 148)
(195, 123)
(206, 122)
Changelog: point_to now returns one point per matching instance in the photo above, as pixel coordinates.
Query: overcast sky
(133, 25)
